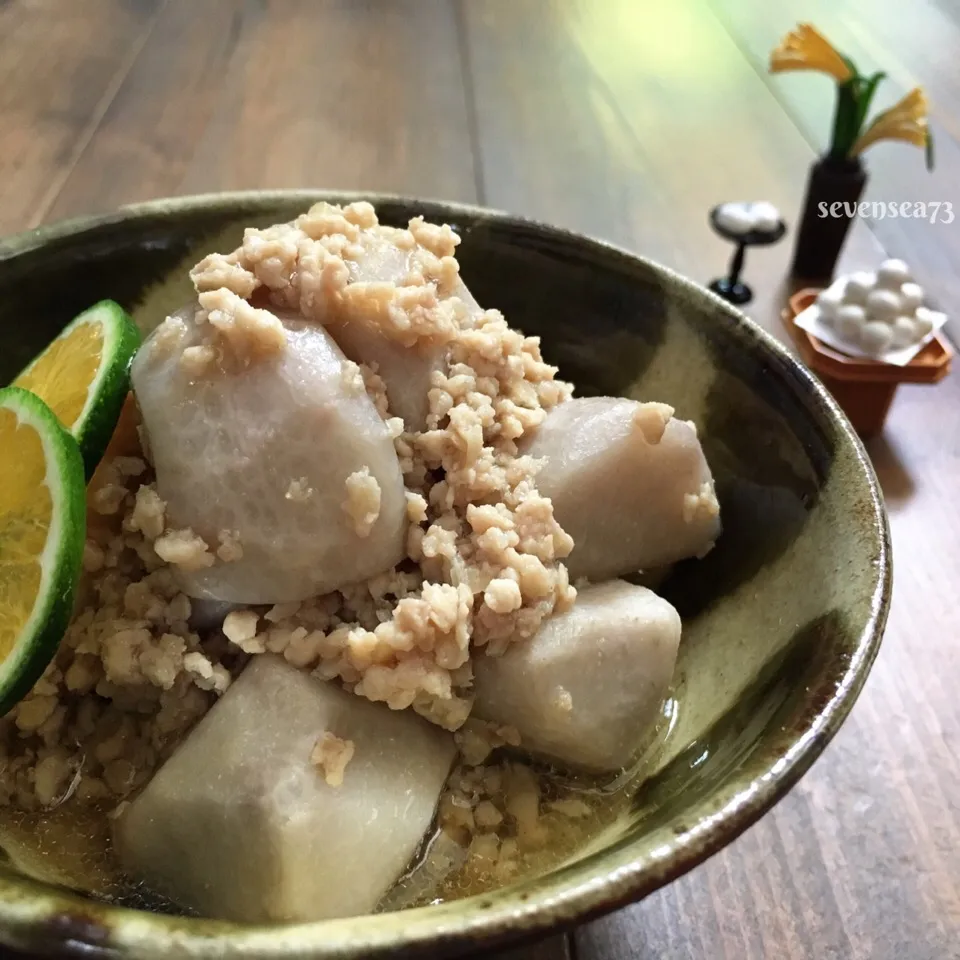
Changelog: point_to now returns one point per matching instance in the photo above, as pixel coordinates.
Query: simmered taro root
(628, 482)
(405, 371)
(404, 353)
(404, 364)
(292, 800)
(588, 686)
(329, 555)
(279, 476)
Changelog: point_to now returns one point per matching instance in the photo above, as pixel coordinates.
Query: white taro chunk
(911, 296)
(588, 686)
(406, 370)
(924, 321)
(876, 337)
(239, 824)
(858, 286)
(850, 321)
(904, 332)
(628, 482)
(892, 274)
(262, 448)
(829, 302)
(883, 306)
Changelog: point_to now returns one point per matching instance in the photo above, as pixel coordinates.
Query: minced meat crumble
(484, 562)
(330, 756)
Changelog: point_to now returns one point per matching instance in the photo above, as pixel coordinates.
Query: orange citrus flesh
(63, 373)
(26, 509)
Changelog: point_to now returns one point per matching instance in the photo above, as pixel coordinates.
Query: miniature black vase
(821, 234)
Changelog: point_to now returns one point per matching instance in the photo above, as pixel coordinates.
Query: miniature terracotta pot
(864, 388)
(833, 189)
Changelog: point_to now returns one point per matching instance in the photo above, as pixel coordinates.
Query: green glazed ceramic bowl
(781, 621)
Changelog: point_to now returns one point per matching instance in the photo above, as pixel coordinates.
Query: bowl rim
(34, 914)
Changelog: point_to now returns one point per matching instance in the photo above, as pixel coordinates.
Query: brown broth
(441, 875)
(70, 846)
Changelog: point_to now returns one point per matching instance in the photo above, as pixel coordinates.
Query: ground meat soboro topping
(484, 552)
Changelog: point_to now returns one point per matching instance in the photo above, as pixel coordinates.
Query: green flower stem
(867, 88)
(847, 119)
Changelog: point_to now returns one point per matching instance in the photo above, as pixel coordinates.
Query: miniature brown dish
(782, 620)
(864, 388)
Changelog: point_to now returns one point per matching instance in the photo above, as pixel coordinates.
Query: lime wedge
(42, 529)
(83, 376)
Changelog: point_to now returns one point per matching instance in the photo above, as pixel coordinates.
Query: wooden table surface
(626, 119)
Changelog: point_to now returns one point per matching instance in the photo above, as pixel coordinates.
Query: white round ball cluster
(877, 311)
(746, 217)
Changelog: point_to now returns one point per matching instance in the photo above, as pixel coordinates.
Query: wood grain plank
(915, 49)
(647, 121)
(62, 65)
(636, 135)
(285, 93)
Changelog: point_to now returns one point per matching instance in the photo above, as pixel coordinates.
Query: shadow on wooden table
(895, 481)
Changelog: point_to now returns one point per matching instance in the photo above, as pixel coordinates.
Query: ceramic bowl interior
(781, 620)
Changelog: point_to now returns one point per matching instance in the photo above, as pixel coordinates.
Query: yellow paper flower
(805, 48)
(906, 120)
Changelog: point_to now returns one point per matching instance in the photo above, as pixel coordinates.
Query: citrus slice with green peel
(42, 529)
(83, 376)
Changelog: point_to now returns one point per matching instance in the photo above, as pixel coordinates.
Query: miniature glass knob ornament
(746, 225)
